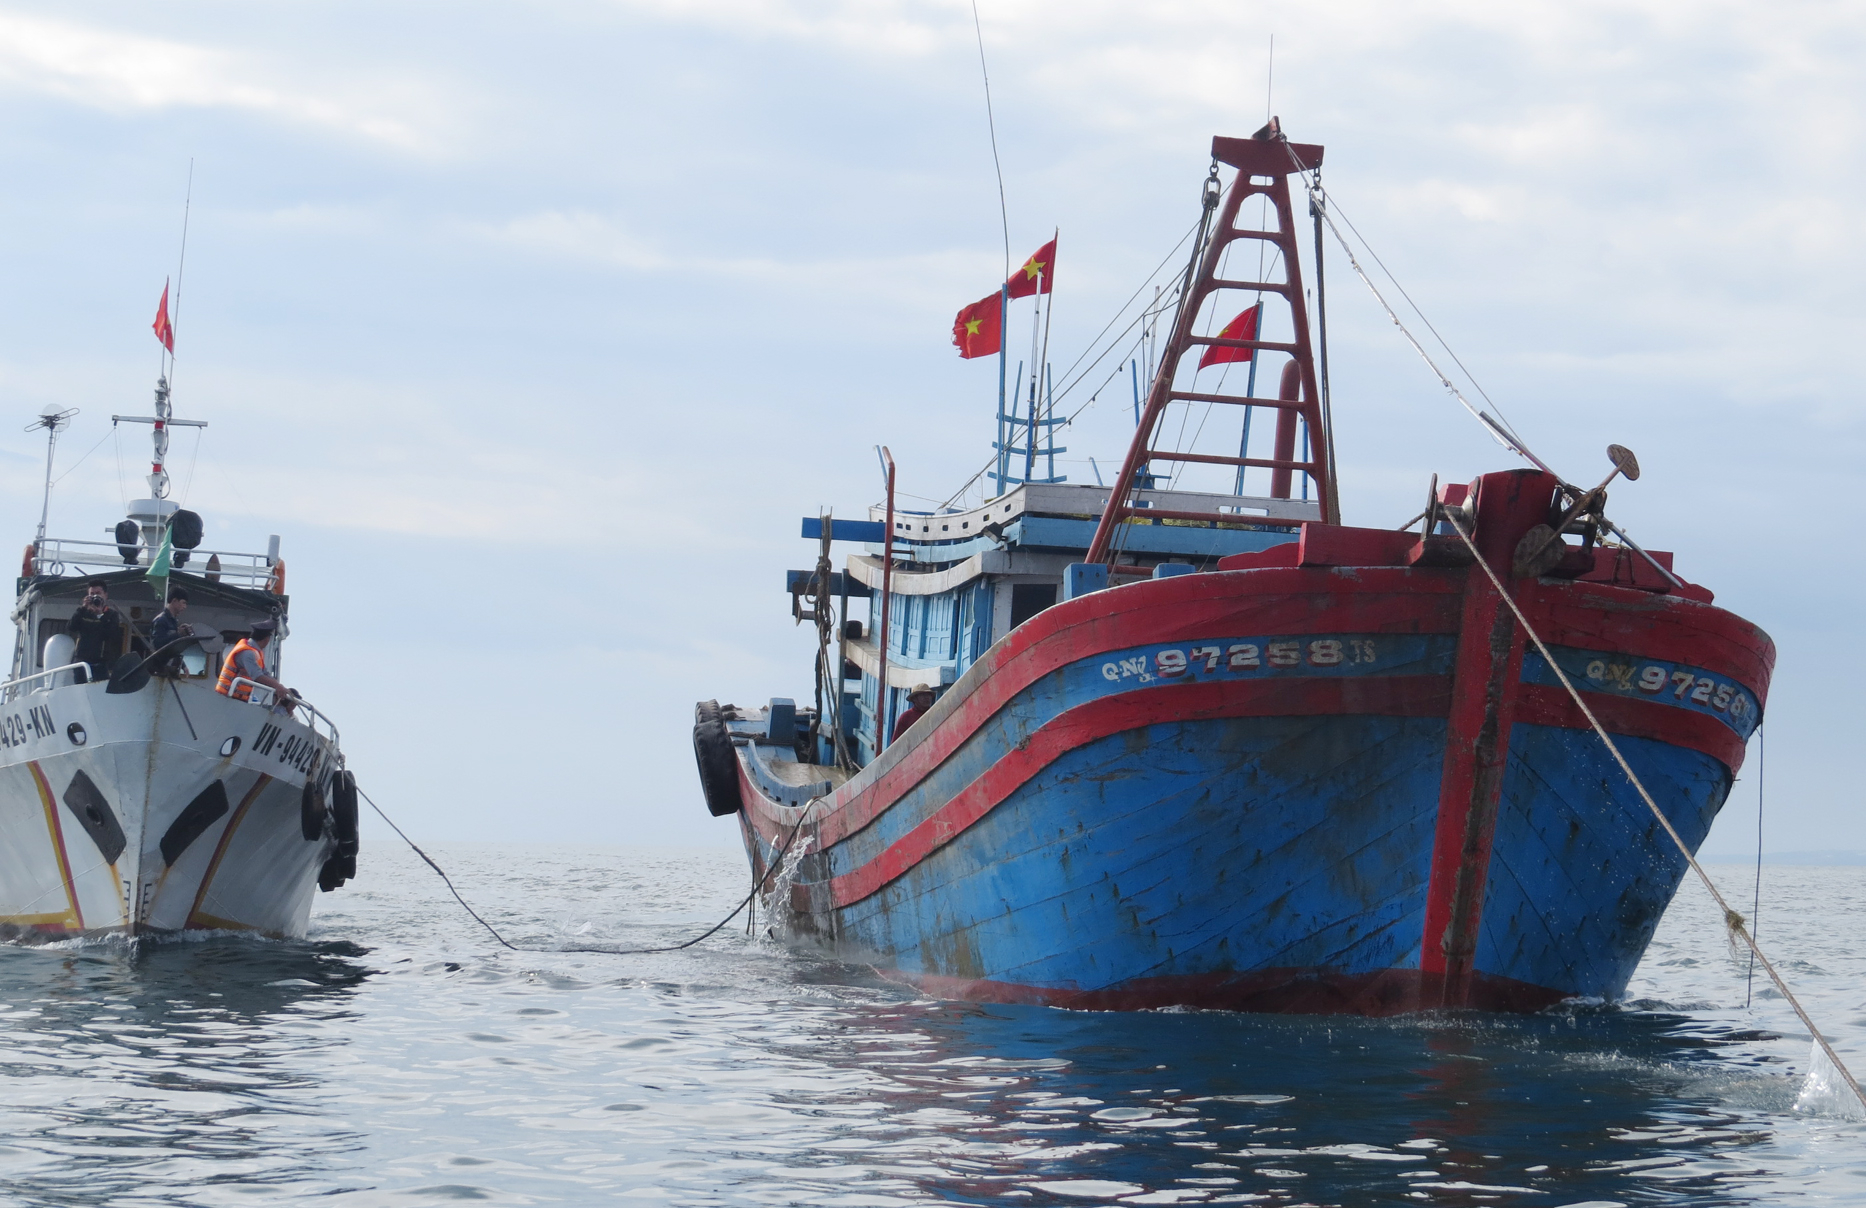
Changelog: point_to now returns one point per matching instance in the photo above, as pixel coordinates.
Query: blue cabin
(963, 579)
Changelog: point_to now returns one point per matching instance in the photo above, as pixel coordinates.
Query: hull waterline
(168, 809)
(1388, 804)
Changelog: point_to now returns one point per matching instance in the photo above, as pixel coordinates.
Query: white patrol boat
(145, 800)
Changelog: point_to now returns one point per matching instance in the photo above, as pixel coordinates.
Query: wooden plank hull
(1300, 788)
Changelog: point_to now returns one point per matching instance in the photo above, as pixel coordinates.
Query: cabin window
(1029, 599)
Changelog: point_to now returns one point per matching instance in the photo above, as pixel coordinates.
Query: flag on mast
(159, 567)
(978, 331)
(1244, 327)
(164, 330)
(1039, 270)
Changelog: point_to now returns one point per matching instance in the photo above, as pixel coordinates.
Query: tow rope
(758, 887)
(1731, 918)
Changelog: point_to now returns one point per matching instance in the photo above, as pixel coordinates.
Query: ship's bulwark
(1230, 790)
(161, 810)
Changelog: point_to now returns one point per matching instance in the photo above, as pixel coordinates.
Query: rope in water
(1731, 918)
(758, 887)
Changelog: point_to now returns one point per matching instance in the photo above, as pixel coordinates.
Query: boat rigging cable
(1322, 204)
(758, 887)
(1500, 430)
(1731, 918)
(1755, 909)
(181, 267)
(991, 123)
(1138, 321)
(1506, 436)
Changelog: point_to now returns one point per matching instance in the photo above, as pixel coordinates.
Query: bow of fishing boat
(1223, 750)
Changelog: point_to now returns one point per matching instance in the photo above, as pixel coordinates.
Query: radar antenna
(53, 421)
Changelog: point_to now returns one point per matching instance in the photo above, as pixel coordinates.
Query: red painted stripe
(1489, 668)
(1296, 601)
(1593, 616)
(1548, 705)
(1391, 696)
(1182, 609)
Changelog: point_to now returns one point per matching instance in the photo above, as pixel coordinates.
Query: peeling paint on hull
(1403, 816)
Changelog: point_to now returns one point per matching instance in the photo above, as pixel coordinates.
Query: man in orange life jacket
(247, 660)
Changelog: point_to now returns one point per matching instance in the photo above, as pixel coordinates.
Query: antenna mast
(53, 421)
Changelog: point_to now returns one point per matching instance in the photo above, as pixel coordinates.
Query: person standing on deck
(919, 700)
(247, 660)
(168, 627)
(97, 630)
(168, 623)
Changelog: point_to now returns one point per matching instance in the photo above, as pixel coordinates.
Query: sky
(533, 329)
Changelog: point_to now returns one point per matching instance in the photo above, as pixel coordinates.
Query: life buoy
(275, 581)
(719, 767)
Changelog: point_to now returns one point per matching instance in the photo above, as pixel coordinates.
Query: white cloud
(1634, 218)
(890, 27)
(596, 240)
(117, 70)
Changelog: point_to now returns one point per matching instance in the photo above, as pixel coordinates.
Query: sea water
(400, 1056)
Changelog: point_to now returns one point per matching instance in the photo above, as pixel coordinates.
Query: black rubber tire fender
(719, 768)
(311, 810)
(343, 812)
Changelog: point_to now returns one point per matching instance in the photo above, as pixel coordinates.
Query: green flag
(159, 566)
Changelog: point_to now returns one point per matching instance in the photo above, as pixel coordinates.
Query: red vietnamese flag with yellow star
(1039, 270)
(164, 330)
(1244, 327)
(979, 329)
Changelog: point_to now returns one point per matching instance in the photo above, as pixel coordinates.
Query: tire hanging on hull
(341, 866)
(311, 810)
(719, 765)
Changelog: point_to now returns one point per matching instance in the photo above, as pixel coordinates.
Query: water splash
(1825, 1092)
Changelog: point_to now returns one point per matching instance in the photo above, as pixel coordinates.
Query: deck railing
(57, 553)
(264, 696)
(12, 688)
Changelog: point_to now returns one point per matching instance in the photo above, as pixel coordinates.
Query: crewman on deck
(247, 661)
(168, 623)
(97, 630)
(168, 627)
(919, 700)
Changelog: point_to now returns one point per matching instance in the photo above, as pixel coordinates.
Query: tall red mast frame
(1270, 158)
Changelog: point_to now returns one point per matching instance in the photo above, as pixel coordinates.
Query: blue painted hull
(1281, 864)
(1260, 790)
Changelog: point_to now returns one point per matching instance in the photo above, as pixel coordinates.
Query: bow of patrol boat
(136, 796)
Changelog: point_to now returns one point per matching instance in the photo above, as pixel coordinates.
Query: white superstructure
(148, 801)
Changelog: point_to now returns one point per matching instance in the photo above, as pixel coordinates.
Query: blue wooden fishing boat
(1223, 750)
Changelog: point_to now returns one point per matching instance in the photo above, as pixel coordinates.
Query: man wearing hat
(247, 661)
(919, 700)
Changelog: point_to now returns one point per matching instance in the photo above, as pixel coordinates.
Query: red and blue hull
(1311, 787)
